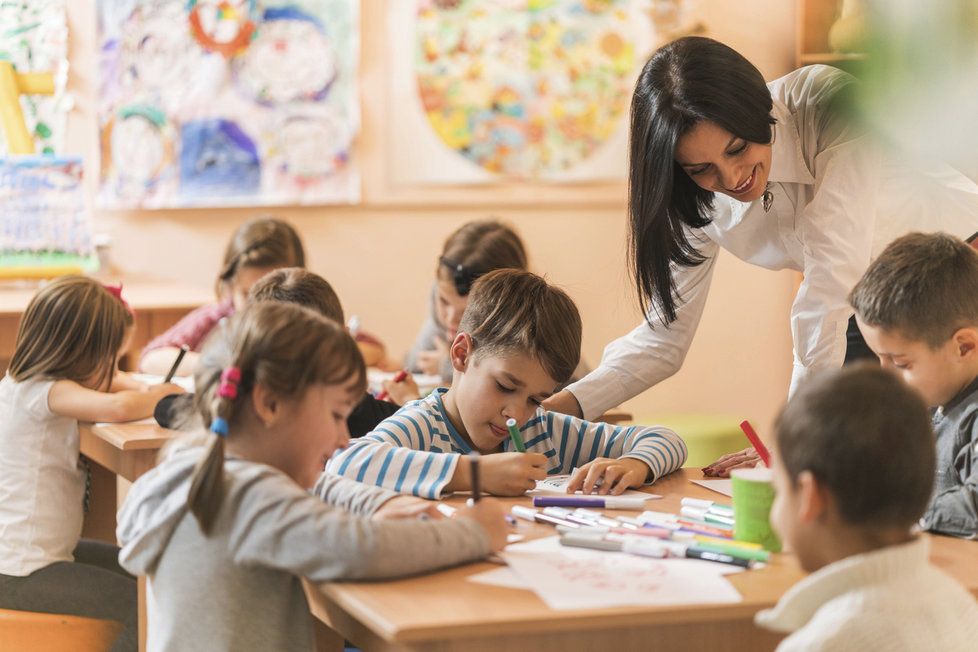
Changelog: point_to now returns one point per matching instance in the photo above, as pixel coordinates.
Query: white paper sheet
(186, 382)
(504, 577)
(574, 578)
(557, 484)
(721, 486)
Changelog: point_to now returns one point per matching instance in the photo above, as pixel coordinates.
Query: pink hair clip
(230, 378)
(116, 291)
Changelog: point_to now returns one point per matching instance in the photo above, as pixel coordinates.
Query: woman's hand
(746, 458)
(565, 403)
(609, 476)
(407, 507)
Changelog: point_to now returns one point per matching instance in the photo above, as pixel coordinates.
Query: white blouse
(838, 201)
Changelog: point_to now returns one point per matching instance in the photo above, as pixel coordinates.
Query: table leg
(102, 505)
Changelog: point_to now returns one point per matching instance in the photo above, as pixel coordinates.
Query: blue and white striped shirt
(407, 451)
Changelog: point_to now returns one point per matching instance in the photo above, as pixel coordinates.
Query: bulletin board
(490, 92)
(228, 102)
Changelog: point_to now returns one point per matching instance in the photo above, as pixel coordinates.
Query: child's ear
(966, 341)
(461, 351)
(813, 498)
(266, 404)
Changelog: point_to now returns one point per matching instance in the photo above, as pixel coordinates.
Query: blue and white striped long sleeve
(416, 450)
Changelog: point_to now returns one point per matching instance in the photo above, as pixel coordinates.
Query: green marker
(514, 434)
(734, 551)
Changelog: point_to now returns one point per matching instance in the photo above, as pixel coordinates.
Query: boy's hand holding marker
(508, 474)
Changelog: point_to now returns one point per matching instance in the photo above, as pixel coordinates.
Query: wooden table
(158, 304)
(443, 611)
(116, 450)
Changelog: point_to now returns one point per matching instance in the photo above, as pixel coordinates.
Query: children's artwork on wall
(228, 102)
(44, 220)
(514, 89)
(34, 38)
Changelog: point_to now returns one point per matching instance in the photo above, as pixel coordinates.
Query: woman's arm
(836, 229)
(644, 357)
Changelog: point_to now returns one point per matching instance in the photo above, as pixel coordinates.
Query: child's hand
(490, 515)
(615, 476)
(431, 362)
(402, 392)
(512, 474)
(746, 458)
(407, 507)
(165, 389)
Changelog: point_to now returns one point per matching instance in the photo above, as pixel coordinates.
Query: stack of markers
(702, 530)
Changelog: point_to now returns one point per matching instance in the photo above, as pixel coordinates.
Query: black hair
(684, 82)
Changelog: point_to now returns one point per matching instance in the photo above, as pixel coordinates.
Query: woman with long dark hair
(781, 175)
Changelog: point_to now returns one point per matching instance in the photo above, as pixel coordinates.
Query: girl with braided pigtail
(223, 531)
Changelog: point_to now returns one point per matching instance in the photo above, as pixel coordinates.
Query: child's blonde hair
(300, 287)
(262, 242)
(513, 311)
(477, 248)
(281, 346)
(72, 329)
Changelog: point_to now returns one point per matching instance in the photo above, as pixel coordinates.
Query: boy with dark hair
(518, 341)
(917, 308)
(853, 468)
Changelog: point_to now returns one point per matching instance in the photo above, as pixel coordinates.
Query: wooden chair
(31, 630)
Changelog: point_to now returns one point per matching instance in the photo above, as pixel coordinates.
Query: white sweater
(889, 600)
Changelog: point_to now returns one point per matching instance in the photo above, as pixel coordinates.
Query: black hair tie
(462, 276)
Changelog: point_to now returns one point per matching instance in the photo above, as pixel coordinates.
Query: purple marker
(601, 502)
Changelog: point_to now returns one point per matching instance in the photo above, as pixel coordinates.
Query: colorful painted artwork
(228, 102)
(43, 201)
(528, 88)
(34, 38)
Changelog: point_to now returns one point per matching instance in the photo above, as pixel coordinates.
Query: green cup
(753, 495)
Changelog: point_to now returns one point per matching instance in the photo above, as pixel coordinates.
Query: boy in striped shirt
(519, 340)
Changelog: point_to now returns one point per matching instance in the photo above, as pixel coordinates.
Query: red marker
(756, 442)
(401, 375)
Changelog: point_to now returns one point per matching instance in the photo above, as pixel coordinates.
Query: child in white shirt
(853, 471)
(64, 371)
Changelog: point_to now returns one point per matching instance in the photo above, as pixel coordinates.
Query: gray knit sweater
(239, 589)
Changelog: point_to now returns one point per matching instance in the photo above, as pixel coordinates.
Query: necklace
(767, 199)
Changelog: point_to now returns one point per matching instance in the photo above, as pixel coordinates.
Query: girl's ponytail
(207, 487)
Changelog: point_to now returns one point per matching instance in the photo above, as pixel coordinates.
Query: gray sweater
(954, 506)
(239, 589)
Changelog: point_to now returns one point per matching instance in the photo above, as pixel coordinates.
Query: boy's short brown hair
(867, 437)
(923, 286)
(512, 310)
(301, 287)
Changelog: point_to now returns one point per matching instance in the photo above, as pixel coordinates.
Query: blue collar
(458, 439)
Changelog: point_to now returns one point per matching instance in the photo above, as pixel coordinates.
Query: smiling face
(719, 161)
(314, 428)
(488, 389)
(937, 373)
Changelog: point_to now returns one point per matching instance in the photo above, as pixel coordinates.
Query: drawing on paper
(530, 88)
(228, 102)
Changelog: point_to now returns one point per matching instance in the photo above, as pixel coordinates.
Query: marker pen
(514, 435)
(601, 502)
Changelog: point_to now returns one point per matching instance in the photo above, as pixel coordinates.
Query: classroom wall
(380, 258)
